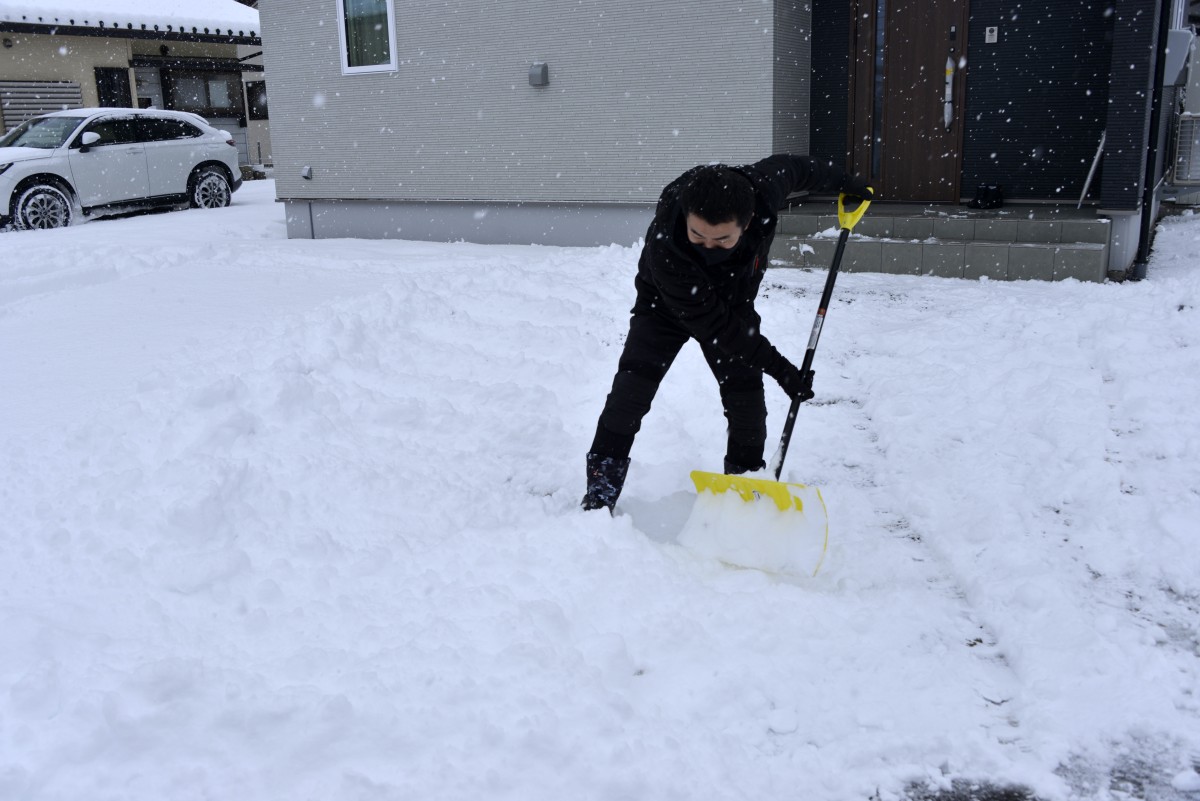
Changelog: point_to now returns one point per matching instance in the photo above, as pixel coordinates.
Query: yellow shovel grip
(848, 219)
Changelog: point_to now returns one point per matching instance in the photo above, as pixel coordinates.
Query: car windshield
(43, 132)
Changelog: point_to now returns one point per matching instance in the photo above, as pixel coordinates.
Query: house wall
(830, 84)
(792, 77)
(638, 92)
(36, 57)
(40, 57)
(1037, 98)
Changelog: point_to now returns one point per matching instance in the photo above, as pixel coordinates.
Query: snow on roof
(220, 16)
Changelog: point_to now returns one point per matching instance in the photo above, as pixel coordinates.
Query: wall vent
(1187, 150)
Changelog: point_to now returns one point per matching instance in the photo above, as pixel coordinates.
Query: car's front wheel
(210, 189)
(42, 206)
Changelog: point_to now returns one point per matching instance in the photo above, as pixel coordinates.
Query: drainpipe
(1150, 183)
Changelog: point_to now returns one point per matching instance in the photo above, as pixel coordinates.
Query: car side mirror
(87, 140)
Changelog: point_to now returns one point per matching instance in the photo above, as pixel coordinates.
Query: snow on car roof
(222, 16)
(141, 112)
(85, 112)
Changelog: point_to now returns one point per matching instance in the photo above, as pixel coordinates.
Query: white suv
(91, 162)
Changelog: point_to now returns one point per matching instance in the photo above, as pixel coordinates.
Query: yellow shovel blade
(752, 489)
(768, 525)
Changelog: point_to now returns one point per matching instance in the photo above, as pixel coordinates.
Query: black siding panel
(1037, 100)
(830, 101)
(1134, 41)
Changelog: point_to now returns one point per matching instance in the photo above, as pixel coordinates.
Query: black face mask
(714, 256)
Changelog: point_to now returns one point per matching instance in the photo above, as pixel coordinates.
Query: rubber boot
(605, 479)
(732, 469)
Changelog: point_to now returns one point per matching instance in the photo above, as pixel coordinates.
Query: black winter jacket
(716, 304)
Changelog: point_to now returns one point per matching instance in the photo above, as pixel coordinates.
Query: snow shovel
(787, 530)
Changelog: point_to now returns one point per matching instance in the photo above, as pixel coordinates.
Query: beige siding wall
(638, 92)
(37, 57)
(54, 58)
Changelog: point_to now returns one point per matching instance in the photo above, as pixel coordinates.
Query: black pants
(650, 348)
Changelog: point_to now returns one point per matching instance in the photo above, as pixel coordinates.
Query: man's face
(706, 235)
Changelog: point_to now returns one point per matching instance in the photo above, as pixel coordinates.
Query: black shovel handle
(847, 219)
(813, 338)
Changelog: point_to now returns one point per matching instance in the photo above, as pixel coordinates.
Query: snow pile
(749, 529)
(292, 519)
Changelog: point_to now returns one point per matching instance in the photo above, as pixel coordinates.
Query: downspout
(1150, 182)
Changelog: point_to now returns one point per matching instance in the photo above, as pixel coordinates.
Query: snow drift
(294, 519)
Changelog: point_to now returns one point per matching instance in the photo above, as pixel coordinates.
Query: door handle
(948, 102)
(948, 99)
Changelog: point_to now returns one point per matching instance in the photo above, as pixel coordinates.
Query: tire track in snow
(870, 517)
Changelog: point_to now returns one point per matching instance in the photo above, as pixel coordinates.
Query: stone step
(1017, 227)
(1000, 260)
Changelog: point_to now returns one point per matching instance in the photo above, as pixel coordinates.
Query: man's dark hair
(717, 194)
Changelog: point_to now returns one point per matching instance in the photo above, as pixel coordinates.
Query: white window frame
(343, 46)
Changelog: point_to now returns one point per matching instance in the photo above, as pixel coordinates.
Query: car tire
(210, 189)
(42, 206)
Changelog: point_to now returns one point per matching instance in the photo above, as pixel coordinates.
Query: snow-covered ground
(289, 520)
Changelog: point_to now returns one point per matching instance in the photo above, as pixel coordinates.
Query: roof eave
(171, 34)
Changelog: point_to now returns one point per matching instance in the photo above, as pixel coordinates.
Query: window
(159, 129)
(112, 131)
(112, 86)
(368, 35)
(256, 99)
(45, 132)
(209, 94)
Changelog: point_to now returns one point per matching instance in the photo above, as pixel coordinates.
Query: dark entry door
(112, 85)
(909, 94)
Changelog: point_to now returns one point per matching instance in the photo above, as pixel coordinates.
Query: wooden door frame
(860, 102)
(862, 74)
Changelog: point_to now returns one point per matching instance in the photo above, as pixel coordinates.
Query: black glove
(796, 384)
(856, 189)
